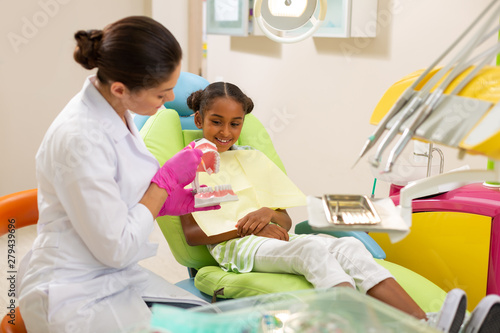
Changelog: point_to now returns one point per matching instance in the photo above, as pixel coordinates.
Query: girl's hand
(254, 222)
(274, 231)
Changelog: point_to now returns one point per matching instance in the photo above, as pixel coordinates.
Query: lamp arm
(435, 184)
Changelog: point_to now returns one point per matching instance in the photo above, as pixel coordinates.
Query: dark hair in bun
(87, 47)
(136, 51)
(202, 100)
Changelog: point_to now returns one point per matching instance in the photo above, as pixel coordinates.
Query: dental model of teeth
(208, 196)
(210, 162)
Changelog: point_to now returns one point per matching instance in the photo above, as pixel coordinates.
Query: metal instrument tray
(350, 209)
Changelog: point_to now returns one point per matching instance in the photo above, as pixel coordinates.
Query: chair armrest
(370, 244)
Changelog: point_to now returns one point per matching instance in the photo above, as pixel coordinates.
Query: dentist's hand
(173, 176)
(181, 202)
(190, 145)
(178, 171)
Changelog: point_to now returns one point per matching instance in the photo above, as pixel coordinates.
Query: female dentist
(100, 189)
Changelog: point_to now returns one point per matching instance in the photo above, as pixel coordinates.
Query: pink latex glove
(181, 202)
(190, 145)
(178, 171)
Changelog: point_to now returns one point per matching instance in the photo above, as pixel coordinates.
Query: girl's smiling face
(222, 123)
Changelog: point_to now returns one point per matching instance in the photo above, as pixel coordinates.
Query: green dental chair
(172, 129)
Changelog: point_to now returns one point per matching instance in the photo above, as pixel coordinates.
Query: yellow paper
(256, 180)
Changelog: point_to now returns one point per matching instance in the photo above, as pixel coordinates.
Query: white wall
(316, 96)
(174, 15)
(38, 75)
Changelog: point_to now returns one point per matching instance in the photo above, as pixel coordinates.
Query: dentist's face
(222, 123)
(148, 101)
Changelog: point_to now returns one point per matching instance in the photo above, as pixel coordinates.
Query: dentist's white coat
(92, 171)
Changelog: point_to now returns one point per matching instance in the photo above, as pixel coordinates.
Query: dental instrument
(430, 105)
(455, 67)
(456, 116)
(409, 93)
(405, 112)
(489, 55)
(410, 107)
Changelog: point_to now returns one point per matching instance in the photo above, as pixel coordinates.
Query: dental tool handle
(400, 103)
(422, 114)
(452, 76)
(423, 111)
(459, 57)
(457, 64)
(454, 44)
(488, 57)
(372, 139)
(433, 100)
(405, 113)
(425, 90)
(434, 79)
(483, 39)
(398, 149)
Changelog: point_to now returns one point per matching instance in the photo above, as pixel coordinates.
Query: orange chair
(19, 210)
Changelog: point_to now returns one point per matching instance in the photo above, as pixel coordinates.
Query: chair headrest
(186, 85)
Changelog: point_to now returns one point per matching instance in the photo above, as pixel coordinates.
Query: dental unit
(414, 107)
(437, 97)
(210, 162)
(455, 105)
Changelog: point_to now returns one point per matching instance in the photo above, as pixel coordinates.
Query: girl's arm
(195, 235)
(254, 223)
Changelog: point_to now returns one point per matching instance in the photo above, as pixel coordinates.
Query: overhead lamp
(278, 18)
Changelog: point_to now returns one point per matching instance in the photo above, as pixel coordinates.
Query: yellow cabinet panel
(448, 248)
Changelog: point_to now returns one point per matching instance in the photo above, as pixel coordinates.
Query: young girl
(261, 242)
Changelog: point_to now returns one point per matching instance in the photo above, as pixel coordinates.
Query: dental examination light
(278, 18)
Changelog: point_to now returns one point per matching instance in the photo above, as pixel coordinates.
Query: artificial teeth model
(209, 196)
(210, 162)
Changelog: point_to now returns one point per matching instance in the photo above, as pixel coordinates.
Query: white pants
(324, 261)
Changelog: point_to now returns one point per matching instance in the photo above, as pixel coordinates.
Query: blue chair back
(186, 85)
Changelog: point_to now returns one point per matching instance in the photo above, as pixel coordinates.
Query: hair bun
(87, 47)
(194, 100)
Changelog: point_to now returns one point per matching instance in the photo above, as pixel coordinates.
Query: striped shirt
(237, 254)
